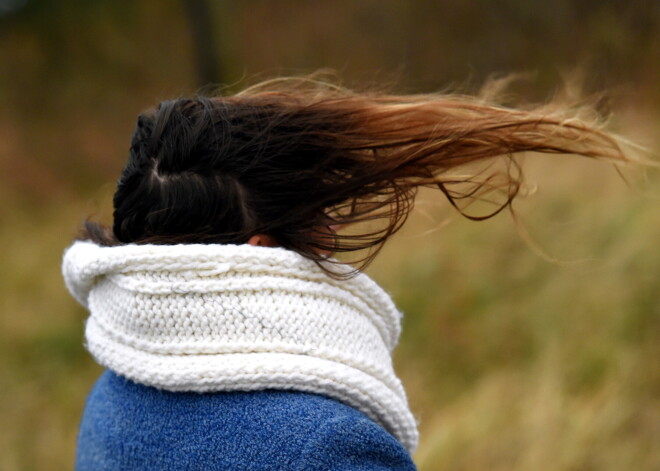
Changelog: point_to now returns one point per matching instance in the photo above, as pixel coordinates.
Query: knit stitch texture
(210, 318)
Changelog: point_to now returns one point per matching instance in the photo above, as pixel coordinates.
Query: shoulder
(129, 425)
(352, 441)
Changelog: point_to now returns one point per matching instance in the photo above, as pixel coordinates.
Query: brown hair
(291, 157)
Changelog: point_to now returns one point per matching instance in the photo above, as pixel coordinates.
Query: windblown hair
(291, 158)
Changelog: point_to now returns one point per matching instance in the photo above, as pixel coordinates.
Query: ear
(262, 240)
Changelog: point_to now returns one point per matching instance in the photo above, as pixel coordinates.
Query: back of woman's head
(293, 158)
(220, 170)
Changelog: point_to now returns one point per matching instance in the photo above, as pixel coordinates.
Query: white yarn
(235, 318)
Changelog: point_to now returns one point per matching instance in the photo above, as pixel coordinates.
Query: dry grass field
(512, 360)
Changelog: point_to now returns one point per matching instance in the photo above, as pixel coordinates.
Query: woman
(231, 338)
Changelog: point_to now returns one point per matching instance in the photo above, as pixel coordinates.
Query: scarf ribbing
(211, 318)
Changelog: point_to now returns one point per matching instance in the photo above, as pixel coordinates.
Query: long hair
(293, 158)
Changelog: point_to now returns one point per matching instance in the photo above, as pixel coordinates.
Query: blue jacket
(127, 426)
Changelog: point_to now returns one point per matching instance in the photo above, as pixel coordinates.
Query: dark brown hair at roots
(291, 157)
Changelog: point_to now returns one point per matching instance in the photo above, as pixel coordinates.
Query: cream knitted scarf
(235, 318)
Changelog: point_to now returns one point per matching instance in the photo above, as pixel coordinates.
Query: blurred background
(511, 361)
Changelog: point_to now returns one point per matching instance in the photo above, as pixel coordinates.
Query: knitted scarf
(210, 318)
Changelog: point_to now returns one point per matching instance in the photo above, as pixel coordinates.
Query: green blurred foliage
(511, 362)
